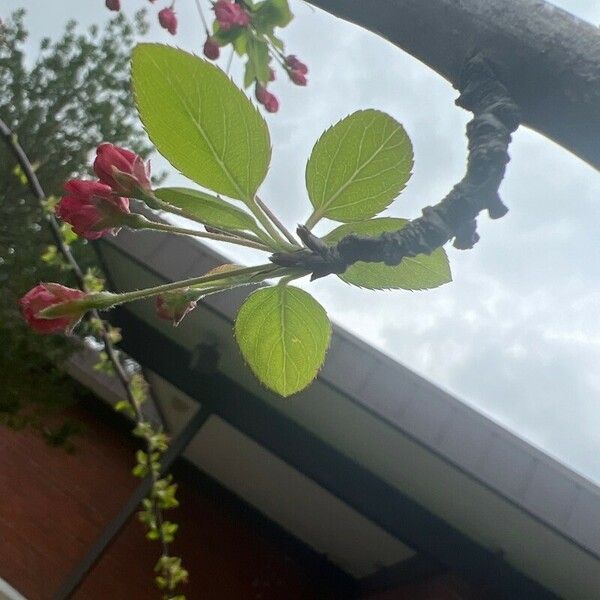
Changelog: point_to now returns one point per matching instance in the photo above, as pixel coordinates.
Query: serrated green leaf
(258, 55)
(283, 333)
(420, 272)
(240, 43)
(249, 74)
(207, 209)
(358, 166)
(200, 121)
(270, 14)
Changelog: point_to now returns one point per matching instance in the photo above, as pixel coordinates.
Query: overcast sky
(517, 334)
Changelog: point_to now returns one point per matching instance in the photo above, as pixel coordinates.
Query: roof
(430, 474)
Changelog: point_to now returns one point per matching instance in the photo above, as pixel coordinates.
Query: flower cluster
(166, 17)
(234, 22)
(93, 209)
(96, 208)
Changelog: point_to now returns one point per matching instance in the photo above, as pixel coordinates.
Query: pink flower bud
(173, 306)
(113, 4)
(123, 170)
(298, 78)
(272, 104)
(268, 100)
(168, 20)
(271, 74)
(261, 93)
(43, 296)
(91, 208)
(229, 14)
(211, 48)
(296, 65)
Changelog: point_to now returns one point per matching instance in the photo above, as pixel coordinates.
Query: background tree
(72, 97)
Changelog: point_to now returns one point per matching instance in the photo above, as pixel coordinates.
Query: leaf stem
(140, 222)
(276, 221)
(279, 241)
(314, 218)
(105, 300)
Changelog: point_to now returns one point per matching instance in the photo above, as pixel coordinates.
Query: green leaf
(207, 209)
(283, 333)
(358, 166)
(420, 272)
(223, 38)
(249, 74)
(270, 14)
(258, 55)
(240, 43)
(200, 121)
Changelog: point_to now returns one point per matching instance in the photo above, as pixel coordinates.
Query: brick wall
(54, 505)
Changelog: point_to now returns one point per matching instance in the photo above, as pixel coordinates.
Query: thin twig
(12, 143)
(202, 18)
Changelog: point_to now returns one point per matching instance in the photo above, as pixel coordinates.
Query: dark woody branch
(548, 59)
(489, 134)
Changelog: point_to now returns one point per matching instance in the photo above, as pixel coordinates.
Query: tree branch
(489, 134)
(548, 59)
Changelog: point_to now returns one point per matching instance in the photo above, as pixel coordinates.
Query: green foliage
(283, 333)
(209, 210)
(420, 272)
(209, 130)
(358, 166)
(257, 67)
(61, 103)
(270, 14)
(202, 123)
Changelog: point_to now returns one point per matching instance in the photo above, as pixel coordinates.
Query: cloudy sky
(517, 334)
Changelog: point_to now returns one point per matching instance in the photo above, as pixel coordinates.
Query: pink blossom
(43, 296)
(113, 4)
(91, 208)
(229, 14)
(123, 170)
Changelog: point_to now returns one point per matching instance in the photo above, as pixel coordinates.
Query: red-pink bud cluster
(230, 14)
(113, 4)
(296, 69)
(91, 208)
(268, 100)
(44, 296)
(96, 208)
(123, 170)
